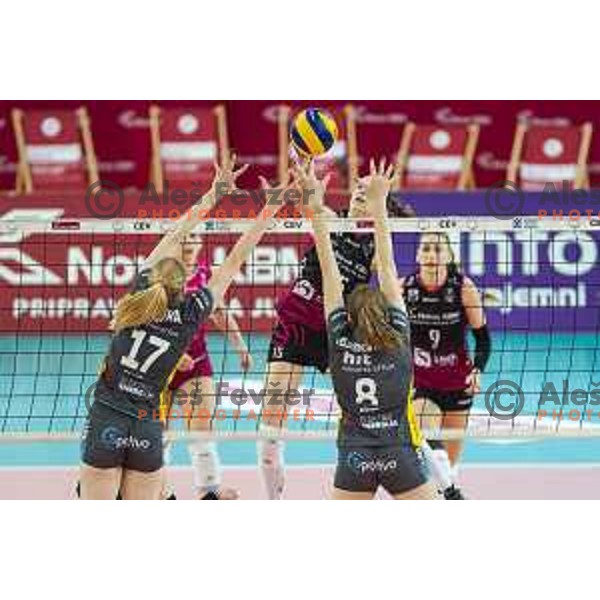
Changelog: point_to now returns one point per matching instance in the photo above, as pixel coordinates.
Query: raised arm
(221, 278)
(377, 190)
(223, 183)
(315, 193)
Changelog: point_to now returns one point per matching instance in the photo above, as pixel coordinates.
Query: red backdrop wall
(122, 142)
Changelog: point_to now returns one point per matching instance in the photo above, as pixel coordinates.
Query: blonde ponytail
(138, 308)
(150, 304)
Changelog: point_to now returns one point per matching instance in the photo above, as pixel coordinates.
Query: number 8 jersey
(373, 387)
(142, 360)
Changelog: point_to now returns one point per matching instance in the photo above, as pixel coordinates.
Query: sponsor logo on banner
(66, 225)
(447, 224)
(142, 225)
(217, 225)
(533, 268)
(72, 281)
(526, 223)
(292, 224)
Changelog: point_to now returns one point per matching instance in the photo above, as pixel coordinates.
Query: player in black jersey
(122, 447)
(299, 338)
(442, 303)
(370, 360)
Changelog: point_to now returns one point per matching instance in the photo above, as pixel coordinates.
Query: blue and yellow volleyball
(313, 132)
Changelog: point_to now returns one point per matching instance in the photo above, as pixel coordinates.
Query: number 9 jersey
(373, 387)
(438, 325)
(142, 360)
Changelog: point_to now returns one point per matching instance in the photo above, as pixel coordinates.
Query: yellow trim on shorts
(416, 436)
(102, 366)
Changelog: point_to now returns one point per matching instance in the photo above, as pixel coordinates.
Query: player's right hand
(226, 175)
(314, 188)
(378, 183)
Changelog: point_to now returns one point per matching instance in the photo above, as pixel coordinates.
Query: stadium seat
(186, 142)
(437, 157)
(56, 150)
(550, 154)
(341, 161)
(8, 166)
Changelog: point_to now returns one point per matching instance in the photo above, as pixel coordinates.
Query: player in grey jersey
(370, 362)
(122, 448)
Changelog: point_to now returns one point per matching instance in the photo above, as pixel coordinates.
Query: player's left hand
(474, 382)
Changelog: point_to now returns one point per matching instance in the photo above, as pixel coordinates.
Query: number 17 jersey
(141, 360)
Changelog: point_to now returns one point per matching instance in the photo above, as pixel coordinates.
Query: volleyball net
(60, 280)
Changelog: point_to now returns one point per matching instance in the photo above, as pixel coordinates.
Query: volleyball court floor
(41, 379)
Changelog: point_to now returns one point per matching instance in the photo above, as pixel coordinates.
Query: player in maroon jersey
(442, 303)
(194, 380)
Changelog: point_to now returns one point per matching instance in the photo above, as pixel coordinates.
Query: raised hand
(226, 175)
(378, 183)
(314, 188)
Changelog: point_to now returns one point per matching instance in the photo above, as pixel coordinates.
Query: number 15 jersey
(141, 360)
(373, 387)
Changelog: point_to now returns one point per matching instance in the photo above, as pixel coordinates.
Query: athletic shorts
(397, 469)
(299, 345)
(115, 439)
(447, 401)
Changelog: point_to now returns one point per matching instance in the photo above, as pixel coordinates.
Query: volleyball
(314, 132)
